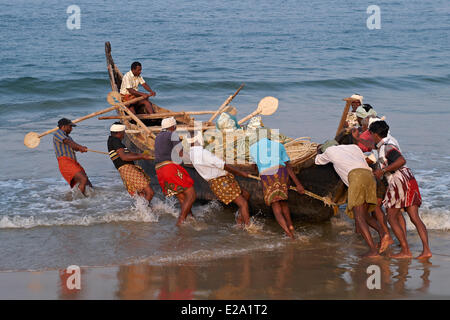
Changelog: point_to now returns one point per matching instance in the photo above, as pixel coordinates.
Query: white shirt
(206, 163)
(384, 147)
(129, 80)
(345, 158)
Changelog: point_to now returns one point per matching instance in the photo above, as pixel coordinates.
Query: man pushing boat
(351, 166)
(220, 178)
(274, 168)
(172, 177)
(133, 177)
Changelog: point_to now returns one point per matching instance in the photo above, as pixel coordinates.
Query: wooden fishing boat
(321, 180)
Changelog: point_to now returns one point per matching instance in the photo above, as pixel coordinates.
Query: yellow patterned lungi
(225, 188)
(134, 178)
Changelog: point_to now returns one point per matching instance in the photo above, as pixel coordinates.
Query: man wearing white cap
(220, 178)
(172, 177)
(133, 177)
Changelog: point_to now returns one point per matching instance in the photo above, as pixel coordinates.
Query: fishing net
(233, 144)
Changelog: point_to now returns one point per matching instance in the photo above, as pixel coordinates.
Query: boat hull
(321, 180)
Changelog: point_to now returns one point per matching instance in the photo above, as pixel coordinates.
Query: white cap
(358, 97)
(372, 120)
(117, 128)
(168, 122)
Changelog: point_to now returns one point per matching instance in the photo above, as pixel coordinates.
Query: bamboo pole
(227, 102)
(158, 115)
(32, 139)
(182, 128)
(326, 200)
(344, 116)
(101, 152)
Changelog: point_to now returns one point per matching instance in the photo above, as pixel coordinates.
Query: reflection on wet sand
(66, 291)
(178, 284)
(288, 274)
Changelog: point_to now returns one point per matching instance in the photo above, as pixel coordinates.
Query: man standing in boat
(65, 149)
(129, 88)
(133, 177)
(219, 176)
(274, 169)
(172, 177)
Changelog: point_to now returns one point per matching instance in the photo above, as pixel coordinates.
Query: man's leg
(392, 215)
(243, 209)
(386, 240)
(181, 197)
(373, 223)
(131, 108)
(186, 205)
(148, 193)
(413, 213)
(402, 222)
(360, 213)
(278, 212)
(287, 215)
(81, 178)
(245, 194)
(147, 105)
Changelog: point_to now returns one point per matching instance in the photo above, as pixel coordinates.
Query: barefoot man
(133, 177)
(129, 88)
(220, 177)
(274, 169)
(65, 149)
(350, 164)
(172, 177)
(366, 144)
(402, 191)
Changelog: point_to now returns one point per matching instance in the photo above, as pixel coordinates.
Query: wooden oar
(184, 128)
(160, 115)
(230, 109)
(266, 107)
(326, 200)
(98, 151)
(116, 99)
(227, 102)
(32, 139)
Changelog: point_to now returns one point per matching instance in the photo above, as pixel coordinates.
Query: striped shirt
(62, 149)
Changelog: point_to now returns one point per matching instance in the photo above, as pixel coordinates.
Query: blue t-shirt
(267, 154)
(165, 141)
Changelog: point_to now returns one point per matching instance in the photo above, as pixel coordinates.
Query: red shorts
(69, 168)
(173, 178)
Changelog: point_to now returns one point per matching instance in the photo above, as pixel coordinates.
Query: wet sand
(309, 271)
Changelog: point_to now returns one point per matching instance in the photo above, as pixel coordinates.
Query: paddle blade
(267, 106)
(114, 98)
(31, 140)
